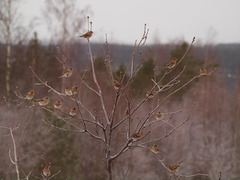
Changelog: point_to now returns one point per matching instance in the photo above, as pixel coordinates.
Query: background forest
(32, 136)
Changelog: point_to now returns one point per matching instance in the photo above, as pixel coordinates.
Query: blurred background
(39, 33)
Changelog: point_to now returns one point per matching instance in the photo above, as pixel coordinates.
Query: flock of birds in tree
(69, 91)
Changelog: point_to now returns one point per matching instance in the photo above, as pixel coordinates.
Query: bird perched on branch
(74, 90)
(159, 116)
(172, 64)
(87, 35)
(68, 91)
(42, 102)
(203, 71)
(73, 112)
(116, 85)
(30, 95)
(57, 104)
(155, 149)
(67, 73)
(150, 94)
(174, 168)
(46, 171)
(137, 136)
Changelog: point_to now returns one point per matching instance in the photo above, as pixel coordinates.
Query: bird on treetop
(87, 35)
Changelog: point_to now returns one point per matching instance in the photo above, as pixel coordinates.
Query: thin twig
(184, 55)
(54, 174)
(97, 84)
(136, 47)
(45, 83)
(192, 175)
(15, 161)
(175, 129)
(93, 90)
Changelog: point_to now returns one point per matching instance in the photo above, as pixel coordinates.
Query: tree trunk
(8, 38)
(34, 61)
(109, 169)
(8, 69)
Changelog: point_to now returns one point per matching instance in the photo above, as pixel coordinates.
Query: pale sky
(216, 21)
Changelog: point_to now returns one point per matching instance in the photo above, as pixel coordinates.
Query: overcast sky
(217, 21)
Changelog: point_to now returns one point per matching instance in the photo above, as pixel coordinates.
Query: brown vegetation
(143, 120)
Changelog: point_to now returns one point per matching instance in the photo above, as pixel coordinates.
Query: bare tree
(11, 30)
(6, 24)
(15, 159)
(112, 115)
(64, 19)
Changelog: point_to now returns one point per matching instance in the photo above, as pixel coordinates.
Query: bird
(159, 116)
(116, 85)
(57, 104)
(172, 64)
(87, 35)
(46, 171)
(155, 149)
(174, 168)
(68, 91)
(149, 94)
(30, 95)
(67, 73)
(73, 112)
(74, 90)
(42, 102)
(203, 71)
(137, 136)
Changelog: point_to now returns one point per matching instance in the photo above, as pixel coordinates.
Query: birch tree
(9, 32)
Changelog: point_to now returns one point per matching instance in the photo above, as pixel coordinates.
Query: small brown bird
(203, 72)
(116, 85)
(137, 136)
(30, 95)
(73, 112)
(87, 35)
(159, 116)
(57, 104)
(43, 102)
(149, 94)
(172, 64)
(68, 91)
(46, 171)
(67, 73)
(74, 90)
(155, 149)
(174, 168)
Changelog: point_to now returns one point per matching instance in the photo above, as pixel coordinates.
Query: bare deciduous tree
(113, 116)
(11, 31)
(64, 19)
